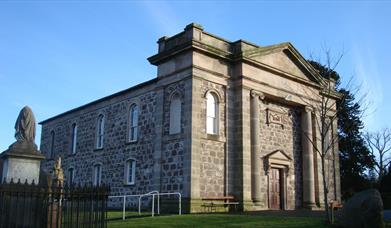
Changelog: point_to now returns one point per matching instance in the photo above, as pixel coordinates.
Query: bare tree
(325, 102)
(379, 144)
(326, 110)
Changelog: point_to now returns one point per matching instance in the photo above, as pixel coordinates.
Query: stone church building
(221, 118)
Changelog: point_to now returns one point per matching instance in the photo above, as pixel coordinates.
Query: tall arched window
(71, 175)
(212, 114)
(52, 137)
(175, 114)
(100, 131)
(130, 171)
(97, 178)
(74, 138)
(133, 123)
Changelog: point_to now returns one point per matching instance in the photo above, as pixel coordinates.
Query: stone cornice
(194, 38)
(228, 56)
(331, 94)
(243, 77)
(211, 72)
(189, 45)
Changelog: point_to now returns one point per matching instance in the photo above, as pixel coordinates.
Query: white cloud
(367, 73)
(162, 15)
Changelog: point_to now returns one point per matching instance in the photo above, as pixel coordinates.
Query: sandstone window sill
(99, 149)
(215, 137)
(131, 142)
(172, 137)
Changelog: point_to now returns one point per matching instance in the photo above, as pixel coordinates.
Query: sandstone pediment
(284, 57)
(278, 159)
(278, 155)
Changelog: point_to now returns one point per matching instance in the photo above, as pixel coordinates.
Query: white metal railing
(179, 199)
(124, 202)
(153, 194)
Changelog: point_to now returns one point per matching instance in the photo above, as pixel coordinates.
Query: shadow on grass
(118, 215)
(220, 220)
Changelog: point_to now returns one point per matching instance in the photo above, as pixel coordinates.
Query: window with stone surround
(74, 138)
(100, 128)
(212, 113)
(52, 138)
(71, 175)
(97, 174)
(133, 123)
(175, 114)
(130, 171)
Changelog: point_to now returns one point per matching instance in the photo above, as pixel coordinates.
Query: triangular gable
(277, 158)
(286, 58)
(279, 155)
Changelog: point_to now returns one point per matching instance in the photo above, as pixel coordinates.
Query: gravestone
(21, 161)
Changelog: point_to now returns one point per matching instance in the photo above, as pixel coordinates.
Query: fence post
(153, 205)
(180, 204)
(58, 206)
(158, 204)
(139, 206)
(123, 208)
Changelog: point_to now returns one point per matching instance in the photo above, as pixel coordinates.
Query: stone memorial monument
(21, 161)
(57, 174)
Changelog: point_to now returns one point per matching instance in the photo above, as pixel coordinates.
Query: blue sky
(59, 55)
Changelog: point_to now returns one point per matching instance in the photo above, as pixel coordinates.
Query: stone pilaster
(337, 175)
(157, 172)
(243, 158)
(308, 159)
(255, 147)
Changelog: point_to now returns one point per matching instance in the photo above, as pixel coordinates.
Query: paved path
(295, 213)
(304, 213)
(301, 213)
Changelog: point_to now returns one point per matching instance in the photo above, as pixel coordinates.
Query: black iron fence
(31, 205)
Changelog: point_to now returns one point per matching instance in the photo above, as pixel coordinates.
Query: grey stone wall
(172, 161)
(212, 151)
(286, 137)
(116, 149)
(212, 168)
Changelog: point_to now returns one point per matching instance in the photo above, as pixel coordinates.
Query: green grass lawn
(217, 220)
(112, 215)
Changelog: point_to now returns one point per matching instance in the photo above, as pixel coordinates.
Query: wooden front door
(275, 189)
